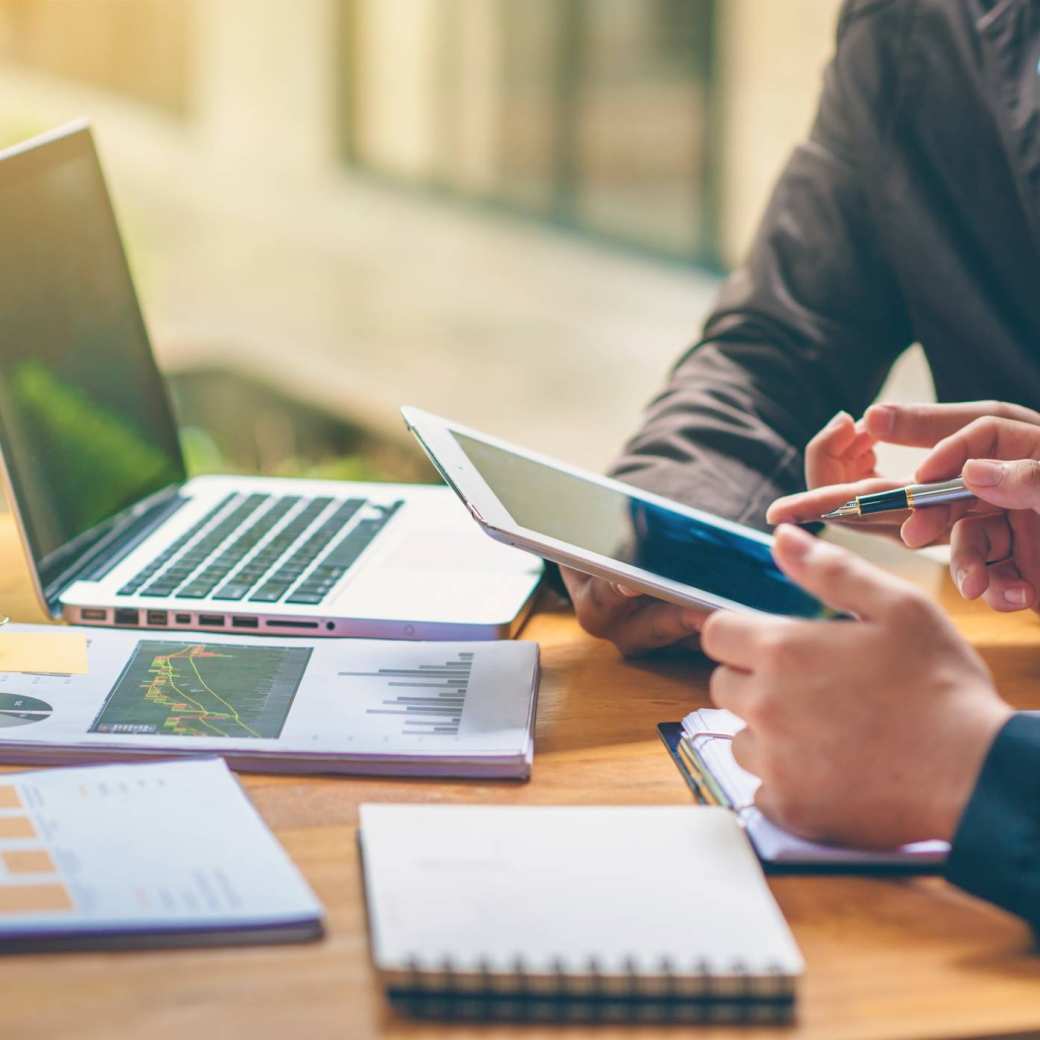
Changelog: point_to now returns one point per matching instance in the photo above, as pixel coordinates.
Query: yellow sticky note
(62, 653)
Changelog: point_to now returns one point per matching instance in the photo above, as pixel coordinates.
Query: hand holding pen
(990, 514)
(840, 462)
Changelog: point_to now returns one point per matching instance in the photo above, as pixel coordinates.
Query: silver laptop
(115, 532)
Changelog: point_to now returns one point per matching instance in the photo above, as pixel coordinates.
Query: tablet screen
(624, 527)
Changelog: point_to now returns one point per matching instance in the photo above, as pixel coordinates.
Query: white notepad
(476, 908)
(131, 855)
(280, 704)
(773, 843)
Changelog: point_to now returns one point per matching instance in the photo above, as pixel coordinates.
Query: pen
(914, 496)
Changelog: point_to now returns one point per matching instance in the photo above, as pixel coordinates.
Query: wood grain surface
(886, 958)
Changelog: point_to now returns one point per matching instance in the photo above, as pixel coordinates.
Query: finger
(730, 688)
(835, 576)
(924, 425)
(927, 526)
(1025, 541)
(868, 461)
(1010, 485)
(811, 505)
(974, 541)
(729, 637)
(745, 749)
(654, 624)
(598, 604)
(828, 447)
(982, 439)
(1007, 590)
(779, 811)
(861, 447)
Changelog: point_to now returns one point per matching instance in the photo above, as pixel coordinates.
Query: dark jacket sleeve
(809, 325)
(996, 850)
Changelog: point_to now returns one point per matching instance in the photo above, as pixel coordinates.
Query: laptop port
(93, 614)
(215, 620)
(182, 619)
(291, 624)
(125, 616)
(156, 617)
(245, 622)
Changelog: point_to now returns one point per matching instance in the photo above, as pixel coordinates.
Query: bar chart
(429, 698)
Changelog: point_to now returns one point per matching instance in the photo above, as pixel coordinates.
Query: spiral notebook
(561, 913)
(701, 749)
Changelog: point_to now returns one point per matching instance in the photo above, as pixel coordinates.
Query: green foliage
(83, 447)
(203, 455)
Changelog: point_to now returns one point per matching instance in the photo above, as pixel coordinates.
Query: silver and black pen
(913, 496)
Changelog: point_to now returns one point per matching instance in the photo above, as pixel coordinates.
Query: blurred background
(513, 212)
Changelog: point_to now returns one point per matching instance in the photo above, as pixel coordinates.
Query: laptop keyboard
(265, 549)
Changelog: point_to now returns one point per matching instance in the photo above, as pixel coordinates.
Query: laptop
(116, 533)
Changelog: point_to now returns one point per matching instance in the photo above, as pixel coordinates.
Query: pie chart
(16, 710)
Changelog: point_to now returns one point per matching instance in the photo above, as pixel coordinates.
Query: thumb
(833, 575)
(1010, 485)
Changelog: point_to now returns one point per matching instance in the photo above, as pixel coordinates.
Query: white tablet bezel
(435, 435)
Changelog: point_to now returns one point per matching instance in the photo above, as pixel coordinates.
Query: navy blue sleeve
(996, 850)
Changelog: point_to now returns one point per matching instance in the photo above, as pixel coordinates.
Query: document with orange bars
(168, 853)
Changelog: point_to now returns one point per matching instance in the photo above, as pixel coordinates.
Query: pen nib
(843, 512)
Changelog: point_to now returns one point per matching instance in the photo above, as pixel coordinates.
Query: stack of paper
(341, 706)
(570, 912)
(157, 854)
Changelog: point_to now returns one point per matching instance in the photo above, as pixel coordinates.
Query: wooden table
(886, 958)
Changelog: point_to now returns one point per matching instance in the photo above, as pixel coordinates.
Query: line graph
(204, 690)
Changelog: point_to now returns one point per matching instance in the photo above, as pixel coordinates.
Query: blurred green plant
(203, 455)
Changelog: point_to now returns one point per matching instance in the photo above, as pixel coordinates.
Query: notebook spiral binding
(438, 989)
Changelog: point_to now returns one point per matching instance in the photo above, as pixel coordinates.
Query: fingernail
(882, 418)
(624, 590)
(691, 620)
(838, 418)
(1016, 597)
(983, 472)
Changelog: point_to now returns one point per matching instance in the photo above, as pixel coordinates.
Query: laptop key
(342, 557)
(231, 592)
(154, 565)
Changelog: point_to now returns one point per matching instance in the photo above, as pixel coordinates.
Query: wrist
(964, 753)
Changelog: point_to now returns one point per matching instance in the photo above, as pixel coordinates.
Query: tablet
(607, 528)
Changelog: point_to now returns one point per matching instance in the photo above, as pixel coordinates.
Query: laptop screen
(85, 422)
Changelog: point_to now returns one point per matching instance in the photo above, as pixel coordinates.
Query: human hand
(840, 462)
(994, 551)
(634, 623)
(868, 733)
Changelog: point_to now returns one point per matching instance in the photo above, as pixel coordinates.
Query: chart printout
(204, 689)
(149, 847)
(267, 699)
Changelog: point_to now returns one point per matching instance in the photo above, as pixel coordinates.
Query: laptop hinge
(127, 533)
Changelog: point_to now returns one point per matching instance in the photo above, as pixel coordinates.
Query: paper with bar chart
(331, 705)
(93, 854)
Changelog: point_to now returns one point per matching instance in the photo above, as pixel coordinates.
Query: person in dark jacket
(912, 214)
